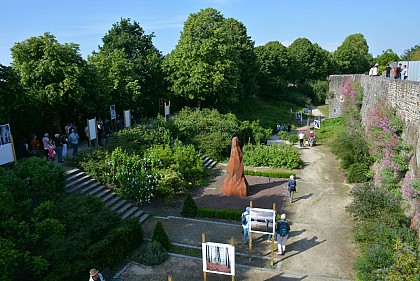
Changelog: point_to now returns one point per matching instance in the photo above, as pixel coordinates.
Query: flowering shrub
(131, 175)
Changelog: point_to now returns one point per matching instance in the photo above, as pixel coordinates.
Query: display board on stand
(7, 150)
(127, 118)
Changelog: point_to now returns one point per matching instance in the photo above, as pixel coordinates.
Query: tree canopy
(205, 65)
(352, 56)
(130, 65)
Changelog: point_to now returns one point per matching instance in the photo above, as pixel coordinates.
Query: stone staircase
(78, 181)
(207, 162)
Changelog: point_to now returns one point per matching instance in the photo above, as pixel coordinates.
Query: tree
(50, 74)
(311, 61)
(274, 68)
(248, 66)
(130, 65)
(205, 65)
(352, 55)
(411, 54)
(385, 58)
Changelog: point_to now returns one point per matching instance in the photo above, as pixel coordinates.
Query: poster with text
(6, 148)
(262, 220)
(218, 258)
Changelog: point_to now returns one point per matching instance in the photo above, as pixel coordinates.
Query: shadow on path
(304, 197)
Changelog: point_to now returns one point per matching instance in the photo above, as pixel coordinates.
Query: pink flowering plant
(352, 95)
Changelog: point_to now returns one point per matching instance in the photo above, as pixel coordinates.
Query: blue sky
(385, 24)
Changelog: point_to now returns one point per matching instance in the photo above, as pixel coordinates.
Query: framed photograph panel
(218, 258)
(6, 148)
(263, 220)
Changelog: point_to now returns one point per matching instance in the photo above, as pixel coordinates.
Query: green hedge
(280, 175)
(219, 214)
(274, 156)
(115, 246)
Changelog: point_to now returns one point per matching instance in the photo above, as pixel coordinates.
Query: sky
(385, 24)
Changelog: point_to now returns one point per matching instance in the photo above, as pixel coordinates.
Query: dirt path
(320, 246)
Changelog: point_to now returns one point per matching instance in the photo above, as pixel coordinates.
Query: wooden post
(13, 148)
(169, 277)
(272, 236)
(203, 240)
(232, 242)
(96, 130)
(88, 134)
(250, 234)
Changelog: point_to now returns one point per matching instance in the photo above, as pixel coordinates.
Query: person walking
(95, 275)
(291, 187)
(282, 229)
(45, 141)
(301, 138)
(246, 224)
(388, 71)
(74, 140)
(58, 147)
(405, 72)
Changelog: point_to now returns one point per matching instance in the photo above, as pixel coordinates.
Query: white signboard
(127, 118)
(6, 148)
(218, 258)
(113, 113)
(317, 124)
(262, 220)
(167, 112)
(92, 128)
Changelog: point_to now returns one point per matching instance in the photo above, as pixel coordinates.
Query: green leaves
(276, 156)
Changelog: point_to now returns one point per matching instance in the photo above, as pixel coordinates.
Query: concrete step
(136, 214)
(78, 180)
(109, 196)
(97, 190)
(143, 217)
(74, 175)
(88, 187)
(103, 193)
(118, 204)
(128, 212)
(81, 185)
(112, 200)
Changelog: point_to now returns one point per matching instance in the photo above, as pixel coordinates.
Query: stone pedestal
(235, 183)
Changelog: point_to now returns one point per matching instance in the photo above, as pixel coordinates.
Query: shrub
(44, 178)
(280, 156)
(351, 147)
(121, 240)
(159, 235)
(206, 213)
(293, 138)
(153, 253)
(357, 173)
(283, 135)
(189, 208)
(221, 214)
(131, 176)
(281, 175)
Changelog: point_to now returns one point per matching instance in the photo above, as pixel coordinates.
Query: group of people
(309, 142)
(399, 72)
(52, 146)
(282, 227)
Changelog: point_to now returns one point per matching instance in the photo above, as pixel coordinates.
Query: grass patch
(269, 111)
(330, 130)
(325, 109)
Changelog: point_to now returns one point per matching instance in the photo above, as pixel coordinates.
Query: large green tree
(130, 66)
(311, 61)
(352, 56)
(205, 65)
(248, 66)
(54, 77)
(274, 68)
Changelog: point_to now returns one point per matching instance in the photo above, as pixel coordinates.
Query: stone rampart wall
(402, 95)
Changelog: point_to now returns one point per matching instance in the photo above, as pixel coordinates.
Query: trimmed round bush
(160, 236)
(153, 253)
